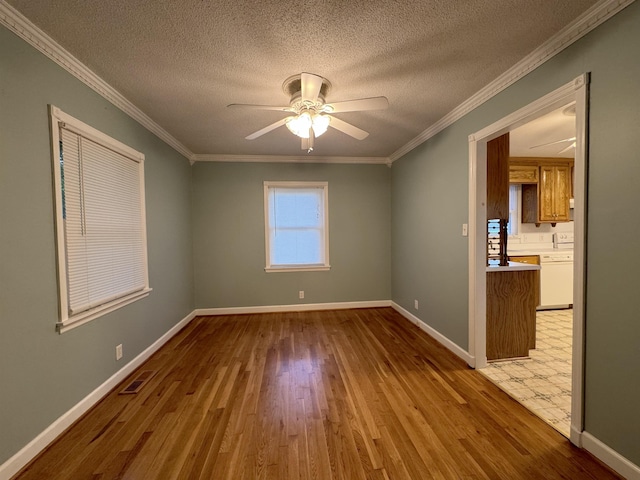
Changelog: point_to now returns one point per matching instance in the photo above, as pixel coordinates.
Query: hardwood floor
(350, 394)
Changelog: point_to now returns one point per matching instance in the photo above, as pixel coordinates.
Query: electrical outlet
(301, 294)
(415, 304)
(118, 352)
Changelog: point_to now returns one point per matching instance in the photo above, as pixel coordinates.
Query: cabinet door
(562, 193)
(546, 196)
(534, 260)
(554, 192)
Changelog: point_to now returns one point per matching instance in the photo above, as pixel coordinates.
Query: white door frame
(575, 91)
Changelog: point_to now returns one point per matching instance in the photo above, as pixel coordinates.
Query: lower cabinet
(511, 313)
(532, 260)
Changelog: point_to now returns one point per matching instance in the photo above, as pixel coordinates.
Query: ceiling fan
(571, 145)
(311, 116)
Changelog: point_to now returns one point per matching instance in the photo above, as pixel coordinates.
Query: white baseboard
(33, 448)
(575, 436)
(460, 352)
(613, 459)
(302, 307)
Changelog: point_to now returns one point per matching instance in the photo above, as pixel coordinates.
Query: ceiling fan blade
(347, 128)
(374, 103)
(259, 107)
(572, 139)
(311, 85)
(266, 129)
(571, 145)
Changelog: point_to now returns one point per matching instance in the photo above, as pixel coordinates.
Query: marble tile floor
(542, 383)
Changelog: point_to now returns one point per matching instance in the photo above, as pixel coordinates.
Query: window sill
(85, 317)
(297, 268)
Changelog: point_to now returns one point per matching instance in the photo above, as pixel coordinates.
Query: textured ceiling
(182, 62)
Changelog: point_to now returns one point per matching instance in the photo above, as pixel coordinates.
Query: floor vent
(135, 385)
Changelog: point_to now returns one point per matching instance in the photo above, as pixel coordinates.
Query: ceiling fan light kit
(311, 115)
(302, 124)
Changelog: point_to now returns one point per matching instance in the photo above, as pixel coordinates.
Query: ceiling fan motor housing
(292, 87)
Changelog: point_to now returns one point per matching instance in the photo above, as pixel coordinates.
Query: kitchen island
(511, 310)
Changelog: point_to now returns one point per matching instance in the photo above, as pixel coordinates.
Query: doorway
(573, 92)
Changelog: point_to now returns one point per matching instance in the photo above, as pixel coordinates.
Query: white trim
(46, 437)
(289, 159)
(541, 106)
(582, 25)
(85, 317)
(84, 130)
(572, 91)
(298, 268)
(325, 265)
(457, 350)
(303, 307)
(579, 260)
(609, 456)
(22, 26)
(477, 262)
(60, 119)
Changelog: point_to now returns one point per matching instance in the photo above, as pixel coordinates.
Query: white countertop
(512, 267)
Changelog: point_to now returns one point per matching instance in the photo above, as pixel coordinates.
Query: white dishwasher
(556, 280)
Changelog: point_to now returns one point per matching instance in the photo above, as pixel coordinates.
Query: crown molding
(577, 29)
(596, 15)
(289, 159)
(21, 26)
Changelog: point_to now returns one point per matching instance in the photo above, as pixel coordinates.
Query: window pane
(296, 225)
(297, 208)
(293, 247)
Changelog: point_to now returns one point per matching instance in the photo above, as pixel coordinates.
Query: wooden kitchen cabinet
(555, 191)
(511, 313)
(548, 201)
(498, 178)
(523, 174)
(532, 260)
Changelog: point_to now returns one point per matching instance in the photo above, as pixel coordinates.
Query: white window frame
(68, 320)
(325, 265)
(515, 208)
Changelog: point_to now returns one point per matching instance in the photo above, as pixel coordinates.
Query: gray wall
(423, 198)
(44, 374)
(228, 233)
(429, 203)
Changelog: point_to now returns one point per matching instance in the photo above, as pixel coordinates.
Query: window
(100, 221)
(296, 226)
(514, 209)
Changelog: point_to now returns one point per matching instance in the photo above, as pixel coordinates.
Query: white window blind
(296, 225)
(103, 258)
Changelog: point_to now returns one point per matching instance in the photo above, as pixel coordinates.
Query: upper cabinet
(523, 174)
(546, 188)
(498, 178)
(554, 191)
